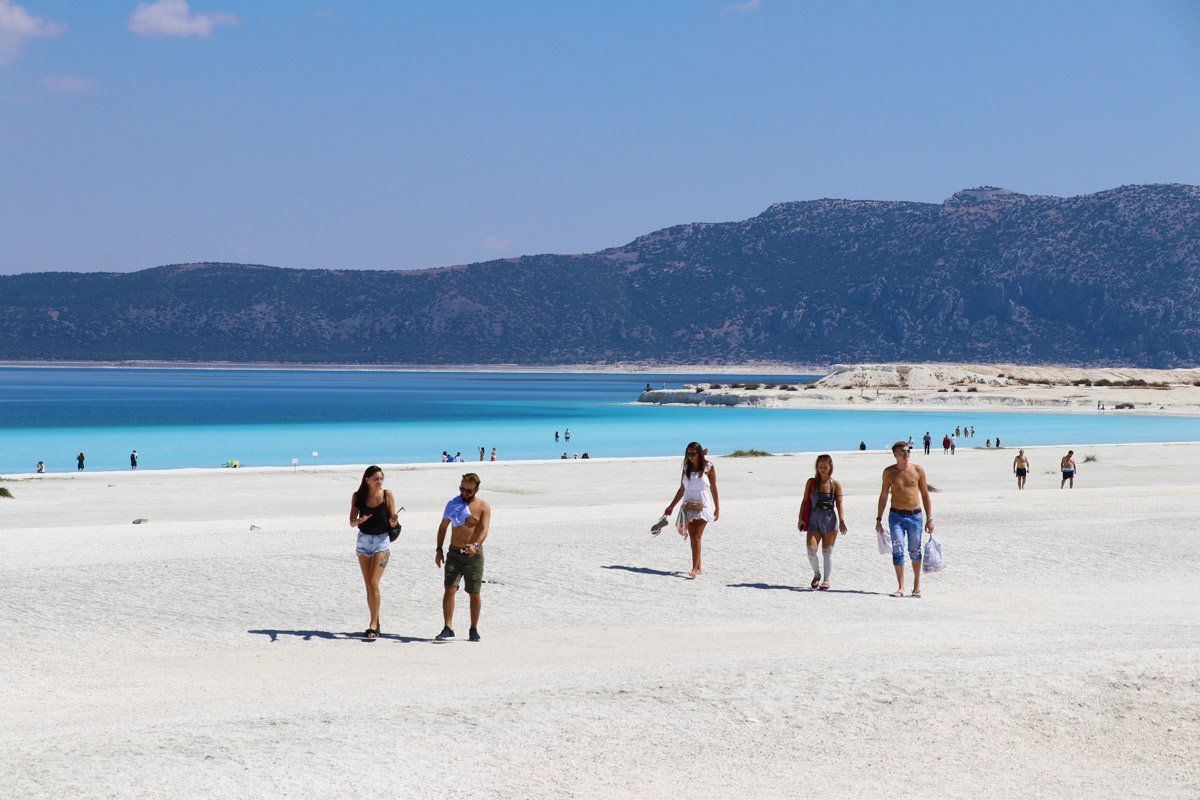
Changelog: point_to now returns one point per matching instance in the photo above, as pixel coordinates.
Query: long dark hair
(364, 491)
(701, 462)
(817, 472)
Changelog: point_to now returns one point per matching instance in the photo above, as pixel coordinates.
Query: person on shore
(373, 512)
(997, 442)
(953, 444)
(79, 459)
(911, 443)
(1068, 469)
(445, 457)
(701, 502)
(946, 445)
(988, 443)
(41, 467)
(133, 457)
(1021, 468)
(822, 518)
(564, 457)
(468, 518)
(910, 507)
(862, 445)
(928, 441)
(481, 454)
(493, 454)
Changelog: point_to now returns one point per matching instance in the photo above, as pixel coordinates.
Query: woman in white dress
(701, 504)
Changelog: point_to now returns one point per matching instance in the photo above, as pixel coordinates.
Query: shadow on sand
(646, 571)
(803, 589)
(349, 637)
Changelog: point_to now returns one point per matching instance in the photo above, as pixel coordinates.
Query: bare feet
(692, 575)
(898, 593)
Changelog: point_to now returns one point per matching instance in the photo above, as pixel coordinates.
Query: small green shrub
(736, 385)
(768, 386)
(751, 453)
(1089, 457)
(1124, 405)
(751, 386)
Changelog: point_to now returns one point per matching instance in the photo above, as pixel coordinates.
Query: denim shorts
(906, 529)
(371, 543)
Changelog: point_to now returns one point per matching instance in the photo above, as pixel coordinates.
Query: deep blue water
(201, 418)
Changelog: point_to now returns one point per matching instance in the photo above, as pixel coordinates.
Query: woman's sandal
(824, 587)
(816, 581)
(371, 633)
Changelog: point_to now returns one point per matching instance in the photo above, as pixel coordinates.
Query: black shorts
(1020, 472)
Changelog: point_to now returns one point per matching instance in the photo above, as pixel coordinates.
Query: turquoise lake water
(202, 418)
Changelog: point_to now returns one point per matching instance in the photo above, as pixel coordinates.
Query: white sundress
(698, 487)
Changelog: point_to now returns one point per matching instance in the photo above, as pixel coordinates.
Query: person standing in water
(701, 503)
(911, 506)
(79, 461)
(470, 517)
(821, 516)
(373, 512)
(1021, 468)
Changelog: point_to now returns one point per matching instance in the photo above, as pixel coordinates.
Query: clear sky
(381, 134)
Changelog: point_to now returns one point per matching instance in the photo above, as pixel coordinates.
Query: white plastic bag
(885, 542)
(933, 560)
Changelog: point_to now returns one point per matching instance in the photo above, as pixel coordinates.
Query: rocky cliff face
(989, 275)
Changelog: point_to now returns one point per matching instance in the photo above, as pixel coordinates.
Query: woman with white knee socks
(822, 518)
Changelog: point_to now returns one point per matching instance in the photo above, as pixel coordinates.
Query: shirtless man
(1068, 469)
(1021, 468)
(470, 518)
(905, 481)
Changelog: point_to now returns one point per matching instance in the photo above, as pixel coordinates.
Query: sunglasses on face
(465, 490)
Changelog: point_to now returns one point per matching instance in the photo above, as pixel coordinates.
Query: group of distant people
(1066, 464)
(81, 462)
(458, 457)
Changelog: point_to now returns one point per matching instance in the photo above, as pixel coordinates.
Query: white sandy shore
(193, 656)
(966, 387)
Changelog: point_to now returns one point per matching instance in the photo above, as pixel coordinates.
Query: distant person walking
(133, 460)
(79, 461)
(910, 507)
(928, 440)
(373, 512)
(953, 444)
(946, 445)
(1021, 468)
(468, 518)
(822, 518)
(701, 502)
(1068, 469)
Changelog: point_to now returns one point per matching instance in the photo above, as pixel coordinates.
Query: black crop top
(378, 523)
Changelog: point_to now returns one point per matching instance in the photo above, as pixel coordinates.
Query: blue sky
(376, 134)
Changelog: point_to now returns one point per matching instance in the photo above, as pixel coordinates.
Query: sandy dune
(191, 656)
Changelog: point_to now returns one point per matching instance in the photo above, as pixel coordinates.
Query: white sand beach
(211, 653)
(964, 387)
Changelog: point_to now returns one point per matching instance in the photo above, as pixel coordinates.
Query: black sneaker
(445, 634)
(473, 635)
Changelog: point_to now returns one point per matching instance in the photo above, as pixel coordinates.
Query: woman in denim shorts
(373, 512)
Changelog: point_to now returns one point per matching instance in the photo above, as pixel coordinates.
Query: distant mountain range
(989, 275)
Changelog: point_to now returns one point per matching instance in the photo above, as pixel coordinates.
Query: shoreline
(970, 388)
(413, 466)
(633, 368)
